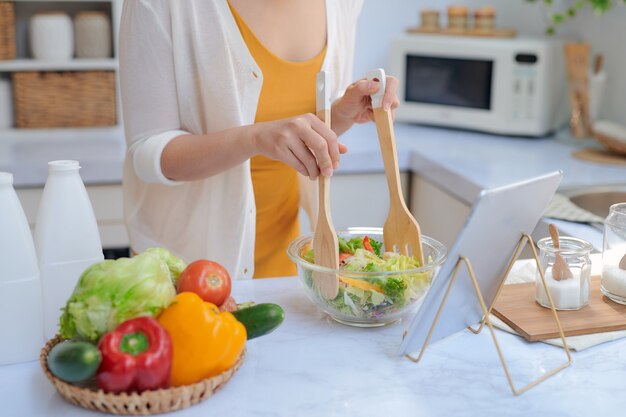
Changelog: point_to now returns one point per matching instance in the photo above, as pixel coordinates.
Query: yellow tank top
(288, 90)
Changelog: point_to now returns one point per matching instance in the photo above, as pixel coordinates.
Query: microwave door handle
(379, 75)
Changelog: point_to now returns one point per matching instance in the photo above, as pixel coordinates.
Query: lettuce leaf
(111, 292)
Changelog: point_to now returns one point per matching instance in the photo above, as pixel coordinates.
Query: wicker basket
(64, 99)
(7, 30)
(134, 404)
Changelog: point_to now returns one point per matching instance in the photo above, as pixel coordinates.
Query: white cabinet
(359, 200)
(107, 205)
(440, 215)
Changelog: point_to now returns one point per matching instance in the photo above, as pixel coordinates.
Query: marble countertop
(312, 366)
(463, 163)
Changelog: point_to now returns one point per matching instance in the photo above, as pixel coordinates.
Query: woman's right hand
(303, 142)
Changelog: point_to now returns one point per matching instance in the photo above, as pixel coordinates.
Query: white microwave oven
(510, 86)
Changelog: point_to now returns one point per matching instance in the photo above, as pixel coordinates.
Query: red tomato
(208, 279)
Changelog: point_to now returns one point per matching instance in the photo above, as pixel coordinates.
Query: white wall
(383, 19)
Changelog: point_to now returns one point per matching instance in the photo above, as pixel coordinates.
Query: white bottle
(66, 238)
(21, 322)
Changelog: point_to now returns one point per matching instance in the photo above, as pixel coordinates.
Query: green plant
(598, 6)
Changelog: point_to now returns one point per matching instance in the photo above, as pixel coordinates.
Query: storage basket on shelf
(64, 99)
(7, 30)
(145, 403)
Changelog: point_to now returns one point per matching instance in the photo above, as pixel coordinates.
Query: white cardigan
(184, 68)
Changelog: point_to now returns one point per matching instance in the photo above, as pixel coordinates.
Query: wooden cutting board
(517, 307)
(599, 156)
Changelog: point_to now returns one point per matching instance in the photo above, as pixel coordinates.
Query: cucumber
(260, 319)
(74, 361)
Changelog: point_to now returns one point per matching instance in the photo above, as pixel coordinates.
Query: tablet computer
(488, 239)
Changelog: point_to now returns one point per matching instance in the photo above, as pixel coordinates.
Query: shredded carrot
(357, 283)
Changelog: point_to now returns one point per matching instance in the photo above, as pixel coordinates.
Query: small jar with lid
(429, 19)
(485, 18)
(613, 283)
(457, 17)
(51, 36)
(569, 291)
(93, 34)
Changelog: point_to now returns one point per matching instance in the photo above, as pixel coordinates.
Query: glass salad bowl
(376, 288)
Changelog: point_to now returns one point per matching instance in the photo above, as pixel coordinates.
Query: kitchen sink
(597, 199)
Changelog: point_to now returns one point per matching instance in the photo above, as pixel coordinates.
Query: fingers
(330, 144)
(320, 148)
(305, 143)
(390, 98)
(365, 87)
(305, 158)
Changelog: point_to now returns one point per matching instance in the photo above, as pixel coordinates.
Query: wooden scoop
(401, 231)
(560, 269)
(325, 245)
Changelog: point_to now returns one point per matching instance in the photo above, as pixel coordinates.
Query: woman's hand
(356, 104)
(303, 142)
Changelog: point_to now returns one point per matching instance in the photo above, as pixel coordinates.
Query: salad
(372, 296)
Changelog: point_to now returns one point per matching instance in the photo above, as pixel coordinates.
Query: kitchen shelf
(109, 64)
(19, 145)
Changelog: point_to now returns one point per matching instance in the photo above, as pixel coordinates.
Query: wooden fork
(401, 231)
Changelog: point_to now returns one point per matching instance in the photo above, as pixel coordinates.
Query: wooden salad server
(325, 245)
(560, 269)
(401, 231)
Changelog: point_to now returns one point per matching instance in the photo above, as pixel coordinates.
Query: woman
(218, 100)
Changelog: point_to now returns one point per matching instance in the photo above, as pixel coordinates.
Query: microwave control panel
(524, 87)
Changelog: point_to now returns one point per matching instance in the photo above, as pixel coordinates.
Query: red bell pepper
(136, 356)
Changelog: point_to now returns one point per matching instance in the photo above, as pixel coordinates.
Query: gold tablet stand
(486, 312)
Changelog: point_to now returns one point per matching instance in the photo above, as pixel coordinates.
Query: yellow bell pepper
(205, 342)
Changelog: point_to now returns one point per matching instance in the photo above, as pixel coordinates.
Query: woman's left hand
(356, 104)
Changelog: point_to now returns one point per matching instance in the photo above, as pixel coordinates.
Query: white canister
(92, 31)
(21, 323)
(51, 36)
(6, 104)
(66, 238)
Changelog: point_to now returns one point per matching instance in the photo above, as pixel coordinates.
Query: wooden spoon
(401, 230)
(560, 269)
(325, 245)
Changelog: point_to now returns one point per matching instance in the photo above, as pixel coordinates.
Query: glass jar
(429, 19)
(485, 18)
(613, 283)
(457, 17)
(570, 293)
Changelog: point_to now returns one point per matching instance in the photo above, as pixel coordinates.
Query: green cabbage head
(111, 292)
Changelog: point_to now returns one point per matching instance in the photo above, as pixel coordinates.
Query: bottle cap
(65, 165)
(6, 178)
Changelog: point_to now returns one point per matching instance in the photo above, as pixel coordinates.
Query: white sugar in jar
(613, 283)
(571, 293)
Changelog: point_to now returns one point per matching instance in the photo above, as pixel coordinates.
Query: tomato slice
(367, 245)
(343, 256)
